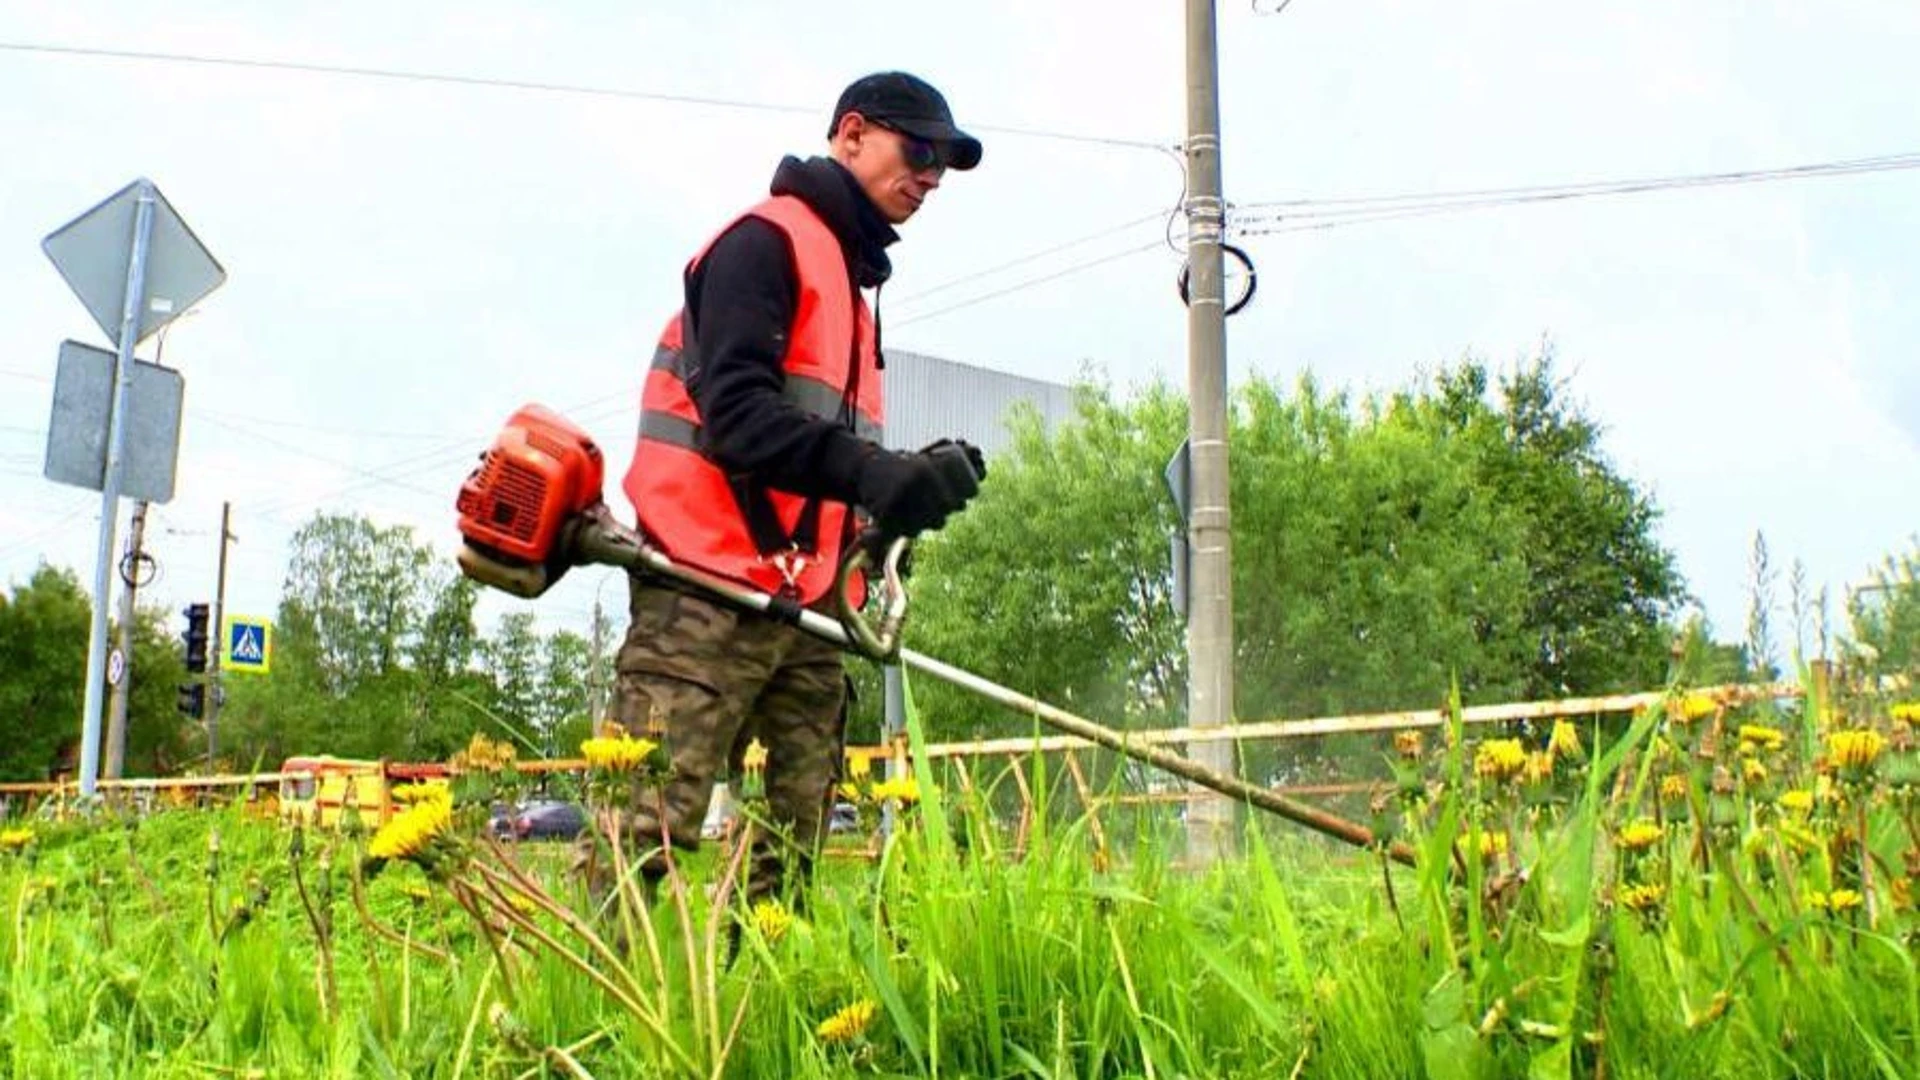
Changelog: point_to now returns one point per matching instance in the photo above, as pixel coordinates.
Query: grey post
(123, 687)
(1210, 624)
(130, 311)
(217, 634)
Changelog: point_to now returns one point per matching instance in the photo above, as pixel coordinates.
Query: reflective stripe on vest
(800, 391)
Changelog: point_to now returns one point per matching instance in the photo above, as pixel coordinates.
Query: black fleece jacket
(740, 301)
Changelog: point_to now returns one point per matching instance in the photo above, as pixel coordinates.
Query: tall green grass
(132, 951)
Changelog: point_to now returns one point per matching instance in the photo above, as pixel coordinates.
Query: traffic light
(193, 699)
(196, 638)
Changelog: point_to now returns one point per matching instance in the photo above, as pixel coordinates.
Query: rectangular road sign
(82, 406)
(248, 644)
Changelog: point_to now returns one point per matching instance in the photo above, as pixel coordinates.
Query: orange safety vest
(773, 540)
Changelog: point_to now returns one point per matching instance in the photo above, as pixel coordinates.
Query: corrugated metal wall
(928, 398)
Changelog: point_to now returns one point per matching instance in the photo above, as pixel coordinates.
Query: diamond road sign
(92, 251)
(249, 645)
(77, 429)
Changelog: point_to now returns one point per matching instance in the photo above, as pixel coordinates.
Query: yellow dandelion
(1753, 771)
(1907, 712)
(618, 754)
(1500, 759)
(15, 839)
(754, 758)
(849, 791)
(1566, 740)
(859, 766)
(1835, 902)
(1492, 844)
(1799, 800)
(483, 755)
(1409, 744)
(903, 787)
(1800, 838)
(849, 1023)
(1690, 707)
(422, 791)
(1673, 788)
(1855, 749)
(1642, 899)
(1539, 768)
(407, 835)
(1761, 737)
(772, 919)
(1639, 836)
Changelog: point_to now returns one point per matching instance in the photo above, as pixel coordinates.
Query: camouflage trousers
(705, 679)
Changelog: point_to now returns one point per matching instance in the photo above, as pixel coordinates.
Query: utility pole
(220, 635)
(595, 693)
(1210, 622)
(122, 685)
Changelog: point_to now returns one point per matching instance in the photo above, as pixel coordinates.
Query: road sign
(249, 645)
(116, 667)
(92, 252)
(82, 408)
(1179, 477)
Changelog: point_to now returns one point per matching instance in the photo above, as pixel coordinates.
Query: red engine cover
(540, 471)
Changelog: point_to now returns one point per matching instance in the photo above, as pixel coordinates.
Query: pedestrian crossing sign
(249, 644)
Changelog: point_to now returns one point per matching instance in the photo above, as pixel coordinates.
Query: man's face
(896, 170)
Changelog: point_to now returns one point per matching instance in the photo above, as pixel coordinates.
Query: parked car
(500, 821)
(844, 817)
(549, 819)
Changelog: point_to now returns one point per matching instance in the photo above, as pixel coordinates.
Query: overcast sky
(411, 260)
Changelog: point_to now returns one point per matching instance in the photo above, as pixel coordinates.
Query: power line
(1266, 218)
(529, 85)
(1027, 258)
(1022, 286)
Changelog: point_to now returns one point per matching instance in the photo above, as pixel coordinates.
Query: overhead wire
(1294, 215)
(528, 85)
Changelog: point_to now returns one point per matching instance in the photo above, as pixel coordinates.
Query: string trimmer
(532, 510)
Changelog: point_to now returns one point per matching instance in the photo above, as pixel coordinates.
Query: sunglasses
(921, 154)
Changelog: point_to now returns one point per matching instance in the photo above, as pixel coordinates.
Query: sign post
(106, 255)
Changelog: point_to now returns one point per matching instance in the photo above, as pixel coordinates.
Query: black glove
(876, 542)
(908, 494)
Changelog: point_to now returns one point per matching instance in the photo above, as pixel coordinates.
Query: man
(759, 434)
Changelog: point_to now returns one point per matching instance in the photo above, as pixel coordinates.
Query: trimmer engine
(541, 476)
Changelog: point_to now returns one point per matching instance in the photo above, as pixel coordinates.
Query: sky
(410, 260)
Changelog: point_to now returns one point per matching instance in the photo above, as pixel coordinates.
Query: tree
(562, 703)
(376, 654)
(355, 597)
(1384, 551)
(160, 740)
(44, 628)
(1603, 591)
(514, 657)
(1056, 581)
(1884, 617)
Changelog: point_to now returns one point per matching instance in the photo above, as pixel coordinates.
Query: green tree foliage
(1601, 588)
(1383, 549)
(378, 655)
(44, 627)
(43, 653)
(1884, 617)
(160, 741)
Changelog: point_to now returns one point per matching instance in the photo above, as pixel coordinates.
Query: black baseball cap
(899, 100)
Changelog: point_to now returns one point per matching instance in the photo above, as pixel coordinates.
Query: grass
(1563, 948)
